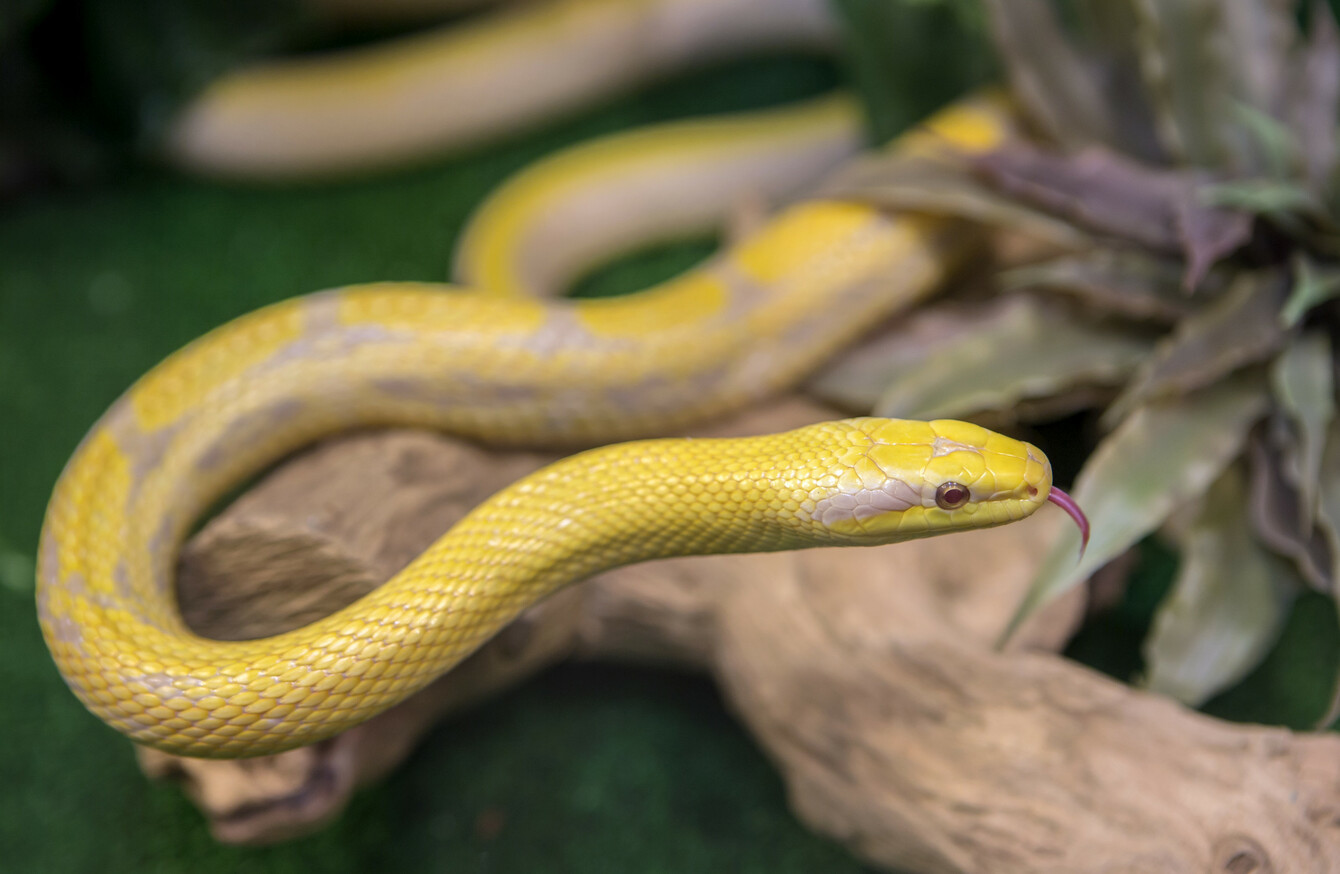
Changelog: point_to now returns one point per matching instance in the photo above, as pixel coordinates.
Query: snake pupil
(951, 496)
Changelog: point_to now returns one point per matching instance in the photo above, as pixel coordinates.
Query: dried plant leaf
(1058, 88)
(1313, 285)
(1317, 96)
(1239, 328)
(1328, 519)
(1275, 502)
(1184, 55)
(1261, 33)
(1207, 235)
(1303, 378)
(1123, 282)
(1290, 207)
(1328, 503)
(942, 187)
(1026, 348)
(1163, 455)
(1111, 194)
(1097, 188)
(1228, 601)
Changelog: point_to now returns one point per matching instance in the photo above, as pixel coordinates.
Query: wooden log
(867, 675)
(312, 537)
(936, 754)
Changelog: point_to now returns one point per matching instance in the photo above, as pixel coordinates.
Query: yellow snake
(506, 370)
(468, 83)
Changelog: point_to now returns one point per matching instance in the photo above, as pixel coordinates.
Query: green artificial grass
(588, 768)
(585, 769)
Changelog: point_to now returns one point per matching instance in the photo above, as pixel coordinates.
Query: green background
(590, 768)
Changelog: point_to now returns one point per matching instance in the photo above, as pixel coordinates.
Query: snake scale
(507, 370)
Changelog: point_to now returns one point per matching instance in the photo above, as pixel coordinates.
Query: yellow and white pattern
(507, 370)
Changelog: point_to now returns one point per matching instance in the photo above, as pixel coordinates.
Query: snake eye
(951, 496)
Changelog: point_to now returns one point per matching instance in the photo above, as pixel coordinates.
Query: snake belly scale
(506, 371)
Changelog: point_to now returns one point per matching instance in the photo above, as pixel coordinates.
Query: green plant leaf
(1275, 141)
(1292, 685)
(1267, 197)
(1124, 282)
(1316, 102)
(1258, 38)
(1276, 501)
(1313, 285)
(1163, 455)
(1228, 602)
(1108, 34)
(1186, 61)
(1058, 87)
(1240, 328)
(1303, 378)
(1018, 355)
(1328, 503)
(855, 380)
(1261, 34)
(1022, 349)
(1328, 518)
(1300, 214)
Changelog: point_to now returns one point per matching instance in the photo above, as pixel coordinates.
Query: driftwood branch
(867, 675)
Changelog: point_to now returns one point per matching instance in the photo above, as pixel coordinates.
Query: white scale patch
(944, 446)
(894, 496)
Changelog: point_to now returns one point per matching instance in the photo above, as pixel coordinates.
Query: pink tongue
(1067, 503)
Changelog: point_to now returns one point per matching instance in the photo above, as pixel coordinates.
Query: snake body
(551, 222)
(507, 370)
(468, 83)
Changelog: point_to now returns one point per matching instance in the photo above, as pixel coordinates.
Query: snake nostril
(1032, 491)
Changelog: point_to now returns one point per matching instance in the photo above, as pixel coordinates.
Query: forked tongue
(1067, 503)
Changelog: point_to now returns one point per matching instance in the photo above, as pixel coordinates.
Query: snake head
(905, 479)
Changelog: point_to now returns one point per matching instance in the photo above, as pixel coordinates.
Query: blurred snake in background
(502, 364)
(449, 88)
